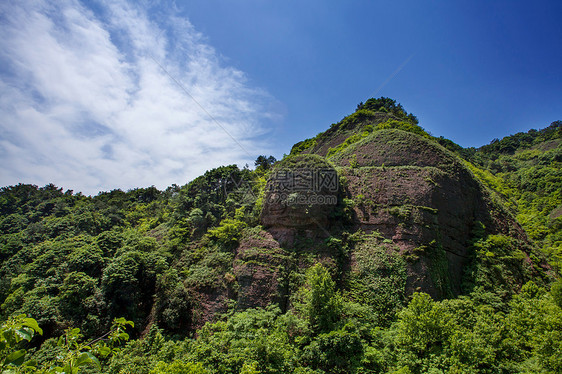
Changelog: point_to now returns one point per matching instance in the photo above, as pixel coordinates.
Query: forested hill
(374, 247)
(526, 170)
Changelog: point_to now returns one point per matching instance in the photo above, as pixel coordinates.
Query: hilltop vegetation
(427, 257)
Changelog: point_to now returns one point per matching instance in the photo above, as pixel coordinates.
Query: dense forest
(424, 257)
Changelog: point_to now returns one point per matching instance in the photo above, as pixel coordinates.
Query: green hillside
(526, 170)
(373, 247)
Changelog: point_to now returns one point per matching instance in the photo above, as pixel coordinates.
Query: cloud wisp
(87, 99)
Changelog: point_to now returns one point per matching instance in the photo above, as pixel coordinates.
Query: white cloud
(85, 105)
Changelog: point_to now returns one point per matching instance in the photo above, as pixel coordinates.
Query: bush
(228, 233)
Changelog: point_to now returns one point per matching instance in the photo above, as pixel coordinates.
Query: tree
(264, 163)
(322, 302)
(385, 104)
(337, 351)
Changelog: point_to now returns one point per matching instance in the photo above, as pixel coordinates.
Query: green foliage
(258, 337)
(264, 163)
(143, 355)
(353, 161)
(378, 281)
(385, 104)
(129, 281)
(458, 335)
(172, 302)
(322, 304)
(362, 122)
(535, 331)
(73, 354)
(88, 259)
(14, 333)
(404, 126)
(80, 301)
(304, 161)
(338, 351)
(178, 367)
(510, 144)
(360, 117)
(210, 269)
(422, 326)
(77, 354)
(556, 291)
(227, 233)
(168, 261)
(304, 145)
(494, 183)
(525, 170)
(462, 336)
(352, 139)
(499, 265)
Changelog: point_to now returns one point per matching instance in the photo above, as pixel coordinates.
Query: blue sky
(97, 95)
(480, 69)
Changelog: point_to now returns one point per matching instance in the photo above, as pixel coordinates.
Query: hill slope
(313, 264)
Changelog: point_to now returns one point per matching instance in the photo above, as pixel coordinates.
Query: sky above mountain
(97, 95)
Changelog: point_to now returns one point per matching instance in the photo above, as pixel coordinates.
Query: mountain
(372, 247)
(403, 187)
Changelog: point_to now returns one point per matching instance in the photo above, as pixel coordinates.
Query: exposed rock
(258, 267)
(207, 303)
(300, 195)
(256, 279)
(337, 134)
(420, 196)
(416, 202)
(408, 188)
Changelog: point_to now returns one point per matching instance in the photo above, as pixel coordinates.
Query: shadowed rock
(300, 195)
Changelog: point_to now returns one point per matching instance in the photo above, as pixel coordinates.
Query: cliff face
(420, 196)
(410, 192)
(251, 275)
(390, 212)
(300, 195)
(258, 268)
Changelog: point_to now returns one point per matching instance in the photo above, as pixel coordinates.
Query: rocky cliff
(388, 209)
(408, 190)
